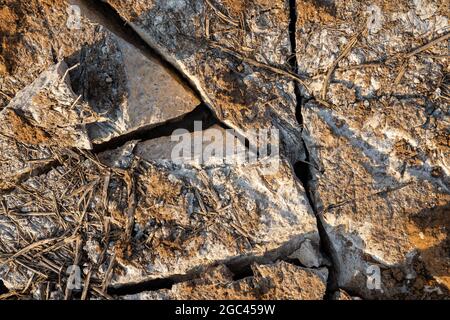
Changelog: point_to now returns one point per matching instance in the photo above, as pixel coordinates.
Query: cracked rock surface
(92, 184)
(196, 215)
(47, 112)
(124, 84)
(381, 142)
(280, 281)
(18, 161)
(197, 41)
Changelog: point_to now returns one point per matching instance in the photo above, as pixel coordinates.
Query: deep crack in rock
(103, 13)
(201, 113)
(240, 267)
(302, 169)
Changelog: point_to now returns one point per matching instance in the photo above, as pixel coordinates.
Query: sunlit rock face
(379, 139)
(125, 85)
(107, 178)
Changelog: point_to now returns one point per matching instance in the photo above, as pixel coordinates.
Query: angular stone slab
(249, 212)
(129, 88)
(242, 94)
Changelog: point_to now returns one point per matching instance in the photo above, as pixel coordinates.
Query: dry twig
(222, 15)
(348, 47)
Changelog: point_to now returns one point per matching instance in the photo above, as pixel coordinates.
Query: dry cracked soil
(349, 199)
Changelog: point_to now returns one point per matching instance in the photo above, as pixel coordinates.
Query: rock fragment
(19, 161)
(199, 213)
(126, 85)
(308, 255)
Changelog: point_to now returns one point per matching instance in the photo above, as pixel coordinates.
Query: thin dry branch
(415, 52)
(32, 246)
(221, 15)
(348, 47)
(428, 45)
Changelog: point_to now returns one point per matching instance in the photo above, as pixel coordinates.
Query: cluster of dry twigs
(47, 220)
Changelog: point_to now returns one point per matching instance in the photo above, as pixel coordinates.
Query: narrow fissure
(144, 286)
(240, 267)
(303, 169)
(200, 113)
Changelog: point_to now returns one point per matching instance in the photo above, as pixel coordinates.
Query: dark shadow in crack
(200, 113)
(36, 171)
(240, 266)
(376, 162)
(3, 288)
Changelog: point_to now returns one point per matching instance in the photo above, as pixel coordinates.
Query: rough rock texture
(222, 54)
(149, 219)
(280, 281)
(194, 214)
(378, 133)
(47, 112)
(124, 84)
(92, 184)
(44, 213)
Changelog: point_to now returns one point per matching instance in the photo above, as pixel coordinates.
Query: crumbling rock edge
(240, 267)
